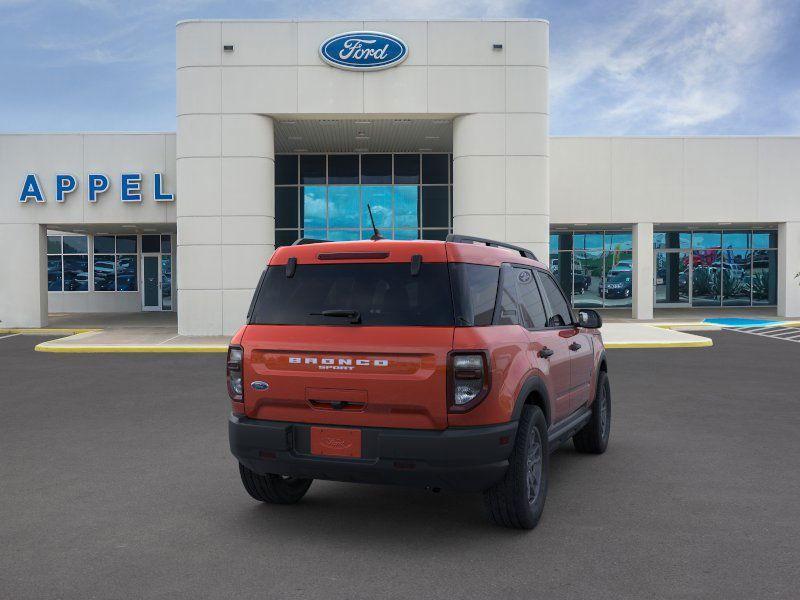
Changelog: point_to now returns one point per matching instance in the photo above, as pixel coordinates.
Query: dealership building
(289, 129)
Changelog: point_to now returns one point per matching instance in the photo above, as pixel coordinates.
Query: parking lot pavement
(117, 483)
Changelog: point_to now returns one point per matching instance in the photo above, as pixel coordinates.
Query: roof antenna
(377, 235)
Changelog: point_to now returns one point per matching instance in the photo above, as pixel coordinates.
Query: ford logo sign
(259, 385)
(363, 51)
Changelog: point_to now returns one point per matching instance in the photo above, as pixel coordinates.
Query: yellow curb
(74, 349)
(46, 331)
(704, 343)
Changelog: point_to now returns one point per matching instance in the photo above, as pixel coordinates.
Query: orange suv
(447, 365)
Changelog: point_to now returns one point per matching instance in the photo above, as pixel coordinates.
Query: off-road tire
(509, 502)
(273, 489)
(593, 437)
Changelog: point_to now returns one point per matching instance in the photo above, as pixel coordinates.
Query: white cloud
(669, 69)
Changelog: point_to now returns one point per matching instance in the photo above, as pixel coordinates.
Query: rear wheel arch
(533, 392)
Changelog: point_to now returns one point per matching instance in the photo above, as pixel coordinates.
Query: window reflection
(706, 239)
(587, 273)
(706, 278)
(54, 279)
(76, 273)
(594, 267)
(618, 282)
(166, 281)
(406, 206)
(765, 277)
(720, 268)
(342, 235)
(415, 202)
(67, 263)
(672, 278)
(126, 273)
(314, 206)
(104, 272)
(379, 200)
(406, 234)
(735, 271)
(343, 202)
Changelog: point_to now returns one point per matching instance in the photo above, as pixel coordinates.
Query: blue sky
(617, 67)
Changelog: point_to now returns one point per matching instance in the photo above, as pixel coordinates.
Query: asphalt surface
(116, 482)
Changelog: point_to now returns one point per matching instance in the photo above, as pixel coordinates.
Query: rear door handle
(546, 352)
(574, 346)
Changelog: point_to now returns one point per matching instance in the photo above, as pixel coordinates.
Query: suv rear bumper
(464, 458)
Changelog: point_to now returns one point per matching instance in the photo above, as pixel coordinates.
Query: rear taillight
(234, 372)
(467, 379)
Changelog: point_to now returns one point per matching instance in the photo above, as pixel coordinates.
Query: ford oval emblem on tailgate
(259, 385)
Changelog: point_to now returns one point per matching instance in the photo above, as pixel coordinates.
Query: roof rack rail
(468, 239)
(304, 241)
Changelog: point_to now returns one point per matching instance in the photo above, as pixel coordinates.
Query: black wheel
(274, 489)
(593, 438)
(518, 500)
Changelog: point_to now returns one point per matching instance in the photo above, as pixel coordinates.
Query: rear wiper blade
(353, 315)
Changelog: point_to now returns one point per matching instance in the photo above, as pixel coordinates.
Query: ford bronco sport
(447, 365)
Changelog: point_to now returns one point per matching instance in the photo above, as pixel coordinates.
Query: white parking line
(790, 334)
(2, 337)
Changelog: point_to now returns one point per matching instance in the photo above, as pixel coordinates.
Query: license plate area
(334, 441)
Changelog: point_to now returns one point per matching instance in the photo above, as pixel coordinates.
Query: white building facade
(276, 140)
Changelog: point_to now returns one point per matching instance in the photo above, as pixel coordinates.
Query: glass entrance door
(151, 276)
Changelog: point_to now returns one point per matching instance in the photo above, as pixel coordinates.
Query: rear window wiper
(353, 315)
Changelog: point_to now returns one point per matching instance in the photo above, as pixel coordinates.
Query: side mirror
(589, 318)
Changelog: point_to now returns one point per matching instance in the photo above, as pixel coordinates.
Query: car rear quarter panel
(510, 366)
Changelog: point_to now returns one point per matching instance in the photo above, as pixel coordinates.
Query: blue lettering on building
(97, 184)
(31, 190)
(363, 50)
(158, 195)
(65, 184)
(130, 187)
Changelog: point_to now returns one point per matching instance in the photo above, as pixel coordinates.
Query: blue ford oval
(363, 50)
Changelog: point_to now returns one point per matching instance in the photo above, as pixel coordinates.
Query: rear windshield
(385, 294)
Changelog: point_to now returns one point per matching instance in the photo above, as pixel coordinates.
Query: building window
(325, 196)
(115, 263)
(716, 268)
(594, 268)
(67, 263)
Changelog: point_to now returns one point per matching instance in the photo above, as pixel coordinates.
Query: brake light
(234, 372)
(468, 379)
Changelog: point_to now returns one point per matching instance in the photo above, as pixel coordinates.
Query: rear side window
(474, 293)
(530, 300)
(383, 294)
(560, 314)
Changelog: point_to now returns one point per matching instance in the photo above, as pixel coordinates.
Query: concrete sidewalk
(134, 339)
(645, 335)
(144, 339)
(158, 332)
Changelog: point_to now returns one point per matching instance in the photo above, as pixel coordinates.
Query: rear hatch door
(351, 334)
(348, 375)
